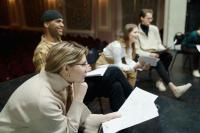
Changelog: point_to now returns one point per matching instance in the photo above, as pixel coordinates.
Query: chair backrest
(92, 56)
(178, 38)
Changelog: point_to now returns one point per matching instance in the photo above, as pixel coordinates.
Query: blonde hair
(64, 53)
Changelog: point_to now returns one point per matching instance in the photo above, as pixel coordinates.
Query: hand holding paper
(149, 60)
(198, 47)
(139, 107)
(93, 121)
(142, 66)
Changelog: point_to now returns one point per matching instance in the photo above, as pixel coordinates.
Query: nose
(62, 24)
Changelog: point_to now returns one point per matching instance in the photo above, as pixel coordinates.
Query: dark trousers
(163, 65)
(195, 56)
(112, 85)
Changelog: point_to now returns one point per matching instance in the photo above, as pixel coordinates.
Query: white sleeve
(130, 62)
(160, 45)
(139, 51)
(117, 53)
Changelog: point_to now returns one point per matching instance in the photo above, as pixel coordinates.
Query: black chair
(178, 38)
(8, 87)
(92, 57)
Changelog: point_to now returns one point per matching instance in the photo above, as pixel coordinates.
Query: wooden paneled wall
(4, 15)
(131, 10)
(33, 12)
(79, 14)
(99, 18)
(24, 13)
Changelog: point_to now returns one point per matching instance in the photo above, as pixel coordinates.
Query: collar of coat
(56, 82)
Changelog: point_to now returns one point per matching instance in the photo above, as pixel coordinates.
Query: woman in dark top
(189, 44)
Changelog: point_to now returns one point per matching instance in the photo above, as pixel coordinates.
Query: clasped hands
(142, 65)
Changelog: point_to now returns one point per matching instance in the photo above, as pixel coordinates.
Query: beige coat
(151, 43)
(37, 107)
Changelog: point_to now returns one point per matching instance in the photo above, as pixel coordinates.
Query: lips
(60, 30)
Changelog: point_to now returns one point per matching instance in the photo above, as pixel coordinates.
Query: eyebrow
(85, 62)
(59, 20)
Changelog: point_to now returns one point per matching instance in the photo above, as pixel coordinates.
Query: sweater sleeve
(189, 40)
(139, 51)
(117, 53)
(39, 57)
(55, 121)
(158, 39)
(39, 60)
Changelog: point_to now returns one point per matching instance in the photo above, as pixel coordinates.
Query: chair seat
(177, 47)
(178, 38)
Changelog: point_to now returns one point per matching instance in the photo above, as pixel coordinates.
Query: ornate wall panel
(79, 14)
(4, 15)
(33, 12)
(131, 10)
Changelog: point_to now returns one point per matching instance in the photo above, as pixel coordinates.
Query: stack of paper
(149, 60)
(198, 47)
(97, 72)
(138, 107)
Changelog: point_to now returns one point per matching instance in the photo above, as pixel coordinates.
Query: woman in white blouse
(122, 53)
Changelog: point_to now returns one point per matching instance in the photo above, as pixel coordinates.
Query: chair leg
(173, 60)
(191, 62)
(188, 59)
(185, 61)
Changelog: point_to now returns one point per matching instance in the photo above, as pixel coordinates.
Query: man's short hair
(50, 15)
(143, 12)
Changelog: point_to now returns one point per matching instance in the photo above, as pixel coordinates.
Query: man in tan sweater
(149, 44)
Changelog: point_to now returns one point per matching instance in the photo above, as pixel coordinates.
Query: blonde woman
(122, 53)
(52, 101)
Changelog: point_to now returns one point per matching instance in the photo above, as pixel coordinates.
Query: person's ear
(64, 72)
(67, 67)
(141, 18)
(64, 69)
(46, 24)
